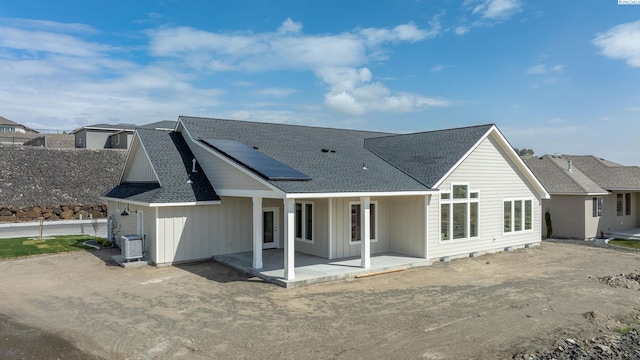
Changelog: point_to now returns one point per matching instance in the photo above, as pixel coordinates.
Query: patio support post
(365, 221)
(257, 232)
(289, 239)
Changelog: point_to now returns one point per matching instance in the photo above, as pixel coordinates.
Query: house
(104, 136)
(212, 186)
(7, 125)
(590, 197)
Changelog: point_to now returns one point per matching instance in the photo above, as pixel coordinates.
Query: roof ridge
(433, 131)
(291, 125)
(572, 179)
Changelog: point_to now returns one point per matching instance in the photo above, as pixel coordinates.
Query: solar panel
(260, 163)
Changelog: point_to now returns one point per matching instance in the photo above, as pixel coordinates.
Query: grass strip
(20, 247)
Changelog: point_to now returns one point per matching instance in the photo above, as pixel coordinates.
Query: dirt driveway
(484, 308)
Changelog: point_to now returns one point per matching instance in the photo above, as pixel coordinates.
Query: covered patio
(312, 269)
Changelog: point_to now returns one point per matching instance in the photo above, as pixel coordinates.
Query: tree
(524, 152)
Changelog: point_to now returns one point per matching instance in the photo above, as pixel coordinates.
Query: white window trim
(598, 206)
(452, 201)
(513, 218)
(375, 219)
(302, 219)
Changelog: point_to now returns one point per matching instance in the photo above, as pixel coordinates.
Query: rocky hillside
(47, 177)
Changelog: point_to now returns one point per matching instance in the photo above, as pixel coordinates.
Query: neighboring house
(101, 136)
(590, 197)
(331, 193)
(7, 125)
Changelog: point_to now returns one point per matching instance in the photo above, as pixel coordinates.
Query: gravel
(623, 344)
(620, 346)
(45, 177)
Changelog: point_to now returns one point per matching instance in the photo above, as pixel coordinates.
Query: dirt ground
(80, 305)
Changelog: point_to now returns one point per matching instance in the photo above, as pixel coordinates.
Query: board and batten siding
(490, 172)
(139, 167)
(400, 226)
(188, 233)
(320, 245)
(128, 224)
(222, 175)
(405, 223)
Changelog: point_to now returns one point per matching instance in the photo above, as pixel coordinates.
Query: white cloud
(497, 9)
(488, 13)
(437, 68)
(56, 76)
(538, 69)
(337, 59)
(621, 42)
(274, 92)
(461, 30)
(352, 92)
(41, 41)
(290, 26)
(543, 69)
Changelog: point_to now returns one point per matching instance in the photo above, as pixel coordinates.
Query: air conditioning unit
(131, 246)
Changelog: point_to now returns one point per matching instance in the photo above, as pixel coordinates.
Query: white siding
(320, 245)
(138, 168)
(128, 224)
(222, 175)
(405, 223)
(488, 171)
(400, 226)
(189, 233)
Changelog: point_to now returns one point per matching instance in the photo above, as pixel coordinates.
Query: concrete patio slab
(311, 269)
(629, 234)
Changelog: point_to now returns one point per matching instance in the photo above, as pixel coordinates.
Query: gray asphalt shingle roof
(336, 159)
(589, 174)
(160, 125)
(427, 156)
(171, 159)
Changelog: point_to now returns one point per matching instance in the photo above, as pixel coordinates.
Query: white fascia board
(233, 163)
(580, 194)
(249, 193)
(140, 203)
(357, 194)
(512, 154)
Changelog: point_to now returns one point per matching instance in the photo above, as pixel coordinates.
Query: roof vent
(193, 169)
(364, 167)
(569, 165)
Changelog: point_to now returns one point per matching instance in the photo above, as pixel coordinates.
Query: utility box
(131, 246)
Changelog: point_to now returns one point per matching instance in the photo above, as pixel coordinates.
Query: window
(627, 204)
(304, 221)
(619, 204)
(597, 207)
(355, 222)
(517, 215)
(458, 213)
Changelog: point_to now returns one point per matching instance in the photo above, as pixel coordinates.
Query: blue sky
(555, 76)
